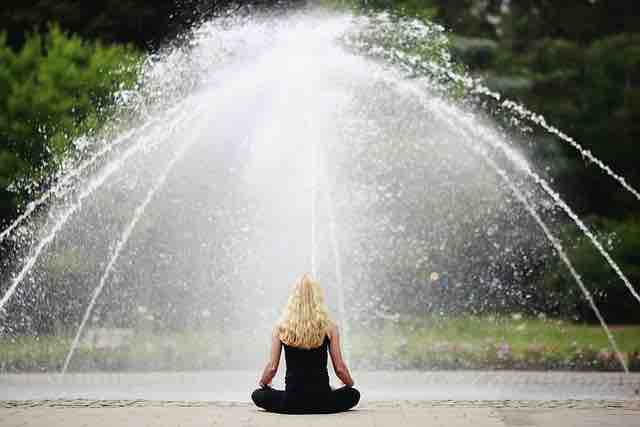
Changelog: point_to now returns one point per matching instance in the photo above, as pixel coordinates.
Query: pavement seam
(632, 405)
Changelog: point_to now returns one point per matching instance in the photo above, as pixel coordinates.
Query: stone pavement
(451, 413)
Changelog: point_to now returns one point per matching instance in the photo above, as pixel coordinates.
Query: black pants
(321, 402)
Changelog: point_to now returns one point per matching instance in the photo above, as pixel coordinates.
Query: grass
(142, 352)
(491, 342)
(404, 343)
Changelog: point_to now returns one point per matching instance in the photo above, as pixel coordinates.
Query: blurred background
(64, 66)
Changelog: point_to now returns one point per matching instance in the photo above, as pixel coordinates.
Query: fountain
(262, 148)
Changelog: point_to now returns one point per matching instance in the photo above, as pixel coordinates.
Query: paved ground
(374, 386)
(76, 413)
(394, 398)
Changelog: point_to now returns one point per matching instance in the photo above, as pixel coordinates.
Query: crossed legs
(272, 400)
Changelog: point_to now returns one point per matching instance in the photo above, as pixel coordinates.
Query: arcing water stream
(467, 130)
(266, 128)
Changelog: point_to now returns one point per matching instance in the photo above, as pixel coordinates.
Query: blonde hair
(305, 320)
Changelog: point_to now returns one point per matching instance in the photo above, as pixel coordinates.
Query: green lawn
(492, 342)
(404, 343)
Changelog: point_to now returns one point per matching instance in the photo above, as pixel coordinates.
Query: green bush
(622, 240)
(54, 89)
(475, 52)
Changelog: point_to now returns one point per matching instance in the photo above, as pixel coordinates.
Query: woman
(306, 333)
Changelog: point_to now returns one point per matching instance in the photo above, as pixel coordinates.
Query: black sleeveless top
(307, 368)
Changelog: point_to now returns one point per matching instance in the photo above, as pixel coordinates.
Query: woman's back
(307, 368)
(308, 336)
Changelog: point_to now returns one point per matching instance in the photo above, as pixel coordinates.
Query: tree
(52, 90)
(145, 24)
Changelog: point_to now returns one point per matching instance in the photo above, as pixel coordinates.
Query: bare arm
(274, 360)
(339, 365)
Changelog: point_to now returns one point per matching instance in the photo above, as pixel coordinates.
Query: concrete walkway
(76, 413)
(236, 386)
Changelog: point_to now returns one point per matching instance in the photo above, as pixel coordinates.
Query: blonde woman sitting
(307, 334)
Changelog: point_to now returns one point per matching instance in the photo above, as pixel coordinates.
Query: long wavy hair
(305, 320)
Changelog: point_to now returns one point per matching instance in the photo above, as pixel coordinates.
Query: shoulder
(276, 332)
(332, 330)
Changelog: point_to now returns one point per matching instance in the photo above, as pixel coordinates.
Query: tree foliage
(622, 240)
(52, 90)
(143, 23)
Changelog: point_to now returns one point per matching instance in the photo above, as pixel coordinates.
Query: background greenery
(53, 89)
(576, 62)
(407, 342)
